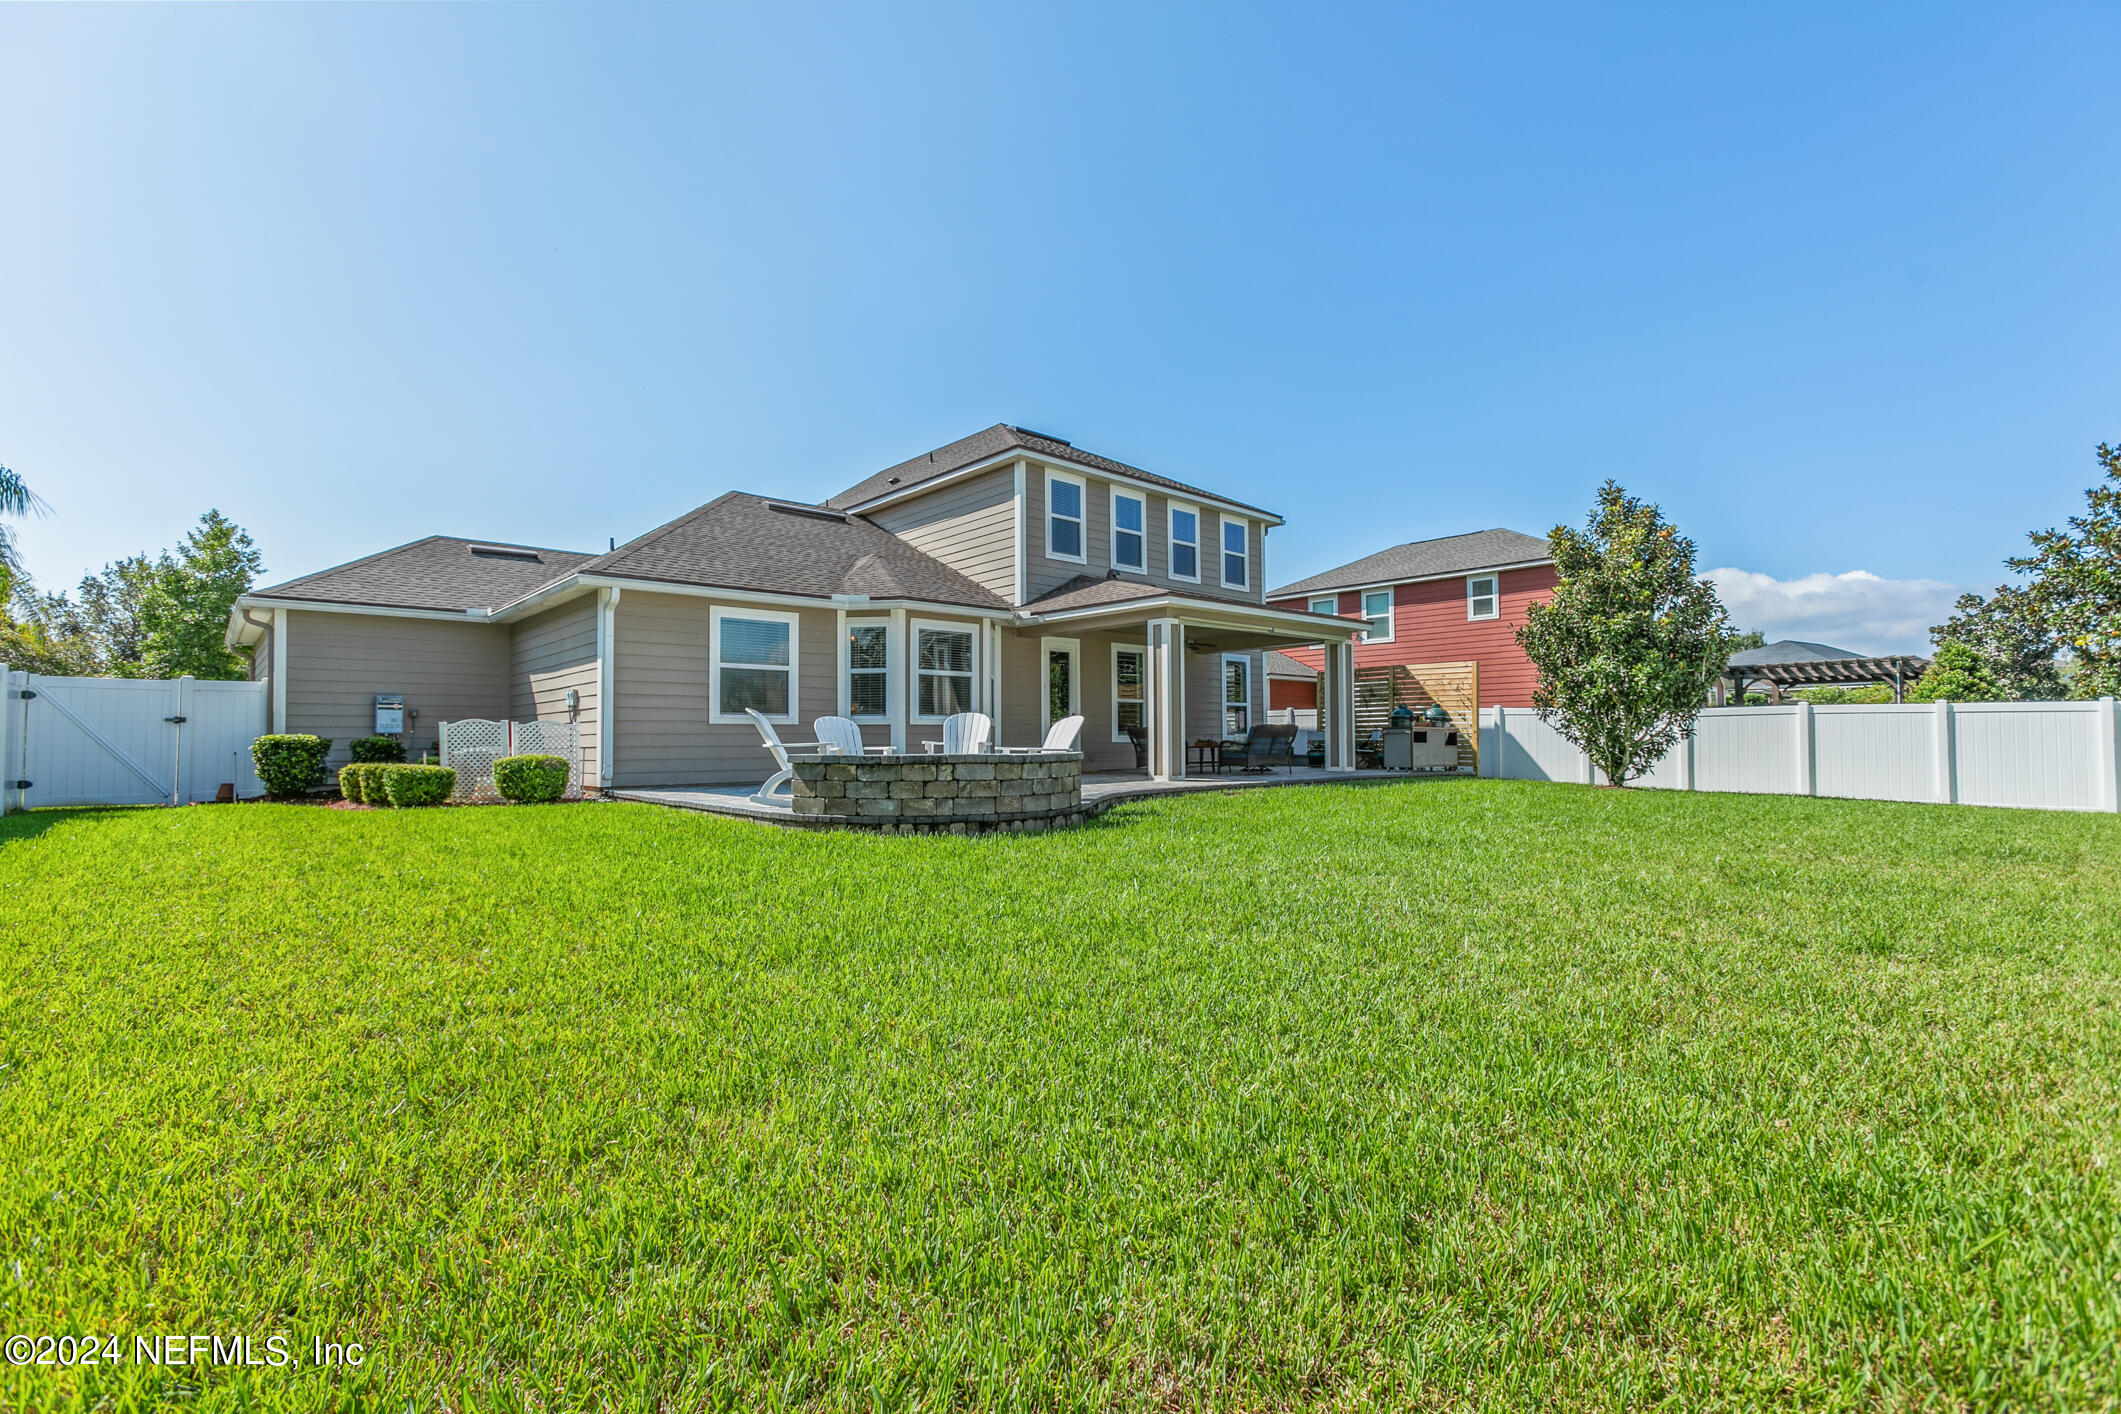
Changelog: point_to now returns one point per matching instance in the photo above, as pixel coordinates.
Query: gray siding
(1024, 694)
(1045, 574)
(969, 526)
(550, 653)
(337, 663)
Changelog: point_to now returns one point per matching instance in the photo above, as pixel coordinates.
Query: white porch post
(1337, 706)
(898, 674)
(1166, 700)
(607, 683)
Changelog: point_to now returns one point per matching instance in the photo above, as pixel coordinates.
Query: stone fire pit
(966, 794)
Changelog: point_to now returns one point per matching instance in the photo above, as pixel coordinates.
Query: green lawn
(1447, 1094)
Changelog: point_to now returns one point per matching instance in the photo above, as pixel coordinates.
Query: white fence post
(11, 764)
(178, 795)
(1686, 756)
(2109, 756)
(1947, 776)
(1502, 745)
(1807, 752)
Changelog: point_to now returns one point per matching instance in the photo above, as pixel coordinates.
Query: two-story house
(1009, 573)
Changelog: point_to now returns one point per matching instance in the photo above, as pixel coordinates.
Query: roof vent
(506, 552)
(892, 481)
(789, 508)
(1044, 436)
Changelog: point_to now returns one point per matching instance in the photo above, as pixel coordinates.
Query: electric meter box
(390, 714)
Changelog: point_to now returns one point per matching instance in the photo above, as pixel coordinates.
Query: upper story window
(868, 670)
(1482, 599)
(754, 657)
(1326, 604)
(1377, 615)
(1064, 516)
(1237, 555)
(1130, 541)
(1185, 543)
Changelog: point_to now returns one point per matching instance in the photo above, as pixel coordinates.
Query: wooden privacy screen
(1455, 687)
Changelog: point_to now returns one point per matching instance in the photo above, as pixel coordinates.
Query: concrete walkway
(1101, 791)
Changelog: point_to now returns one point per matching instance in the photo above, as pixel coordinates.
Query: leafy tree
(1631, 641)
(2006, 633)
(1956, 674)
(2074, 584)
(184, 611)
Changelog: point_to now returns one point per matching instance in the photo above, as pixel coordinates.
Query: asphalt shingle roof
(1087, 591)
(1427, 559)
(440, 572)
(740, 541)
(1281, 665)
(1790, 650)
(992, 442)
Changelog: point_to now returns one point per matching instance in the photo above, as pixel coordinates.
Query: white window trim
(715, 614)
(913, 666)
(1222, 693)
(1171, 510)
(847, 669)
(1082, 488)
(1494, 593)
(1390, 616)
(1118, 494)
(1141, 650)
(1222, 555)
(1073, 647)
(1311, 604)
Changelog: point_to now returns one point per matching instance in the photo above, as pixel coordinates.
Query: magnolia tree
(1631, 642)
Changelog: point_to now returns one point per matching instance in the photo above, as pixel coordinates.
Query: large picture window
(1237, 554)
(1130, 541)
(1185, 543)
(869, 671)
(943, 661)
(753, 652)
(1064, 516)
(1237, 697)
(1130, 677)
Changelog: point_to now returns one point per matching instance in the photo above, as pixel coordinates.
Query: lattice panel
(471, 747)
(553, 739)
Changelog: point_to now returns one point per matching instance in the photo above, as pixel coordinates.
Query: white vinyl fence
(2038, 755)
(471, 745)
(125, 741)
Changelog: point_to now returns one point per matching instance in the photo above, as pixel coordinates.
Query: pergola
(1894, 671)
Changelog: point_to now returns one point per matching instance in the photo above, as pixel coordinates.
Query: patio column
(1336, 705)
(1165, 700)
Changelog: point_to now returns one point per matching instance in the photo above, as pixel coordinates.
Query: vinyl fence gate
(125, 741)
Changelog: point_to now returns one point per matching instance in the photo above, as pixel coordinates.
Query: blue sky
(1835, 285)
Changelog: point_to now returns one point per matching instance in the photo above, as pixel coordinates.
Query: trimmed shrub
(418, 785)
(529, 779)
(350, 782)
(290, 765)
(371, 775)
(366, 749)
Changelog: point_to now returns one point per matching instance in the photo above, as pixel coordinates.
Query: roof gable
(993, 442)
(1428, 559)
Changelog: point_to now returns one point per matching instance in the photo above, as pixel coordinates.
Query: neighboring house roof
(1087, 591)
(441, 572)
(993, 442)
(740, 541)
(1428, 559)
(1280, 665)
(1789, 650)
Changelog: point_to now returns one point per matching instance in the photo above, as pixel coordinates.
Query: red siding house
(1457, 599)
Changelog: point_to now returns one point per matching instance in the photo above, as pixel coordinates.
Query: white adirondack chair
(844, 735)
(765, 794)
(966, 733)
(1061, 736)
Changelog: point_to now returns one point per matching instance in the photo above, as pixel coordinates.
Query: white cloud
(1858, 610)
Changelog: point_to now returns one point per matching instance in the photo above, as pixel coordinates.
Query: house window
(1130, 543)
(1237, 556)
(1185, 543)
(754, 655)
(868, 670)
(1326, 604)
(1064, 516)
(943, 660)
(1237, 696)
(1130, 676)
(1482, 601)
(1377, 614)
